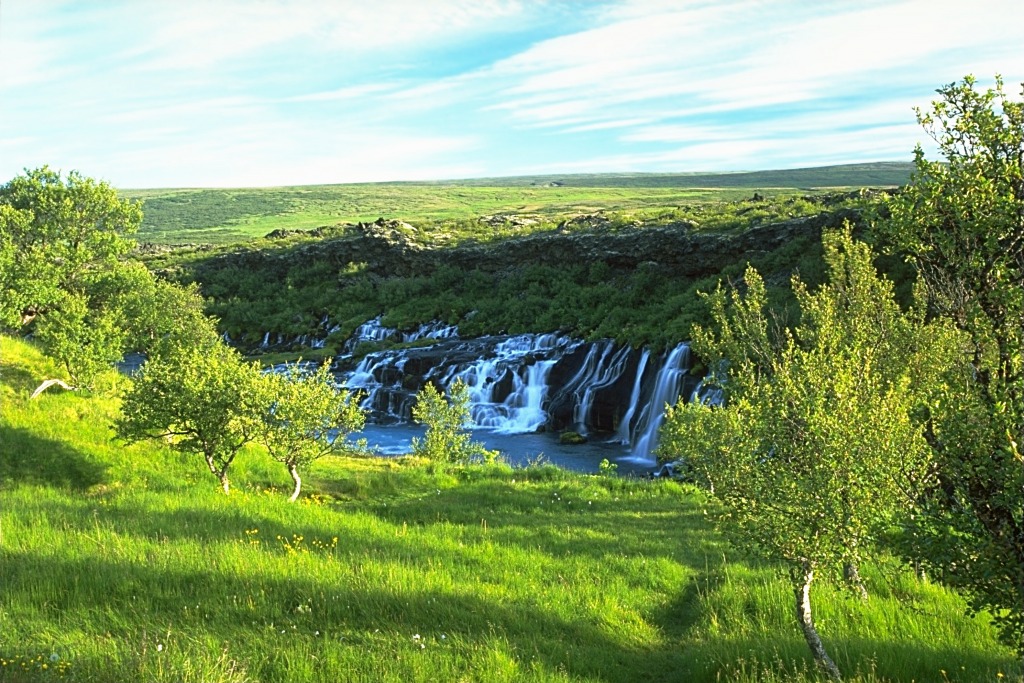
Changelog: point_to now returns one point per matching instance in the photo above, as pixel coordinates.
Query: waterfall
(371, 330)
(525, 383)
(382, 398)
(606, 370)
(507, 391)
(708, 395)
(434, 330)
(667, 389)
(375, 331)
(625, 431)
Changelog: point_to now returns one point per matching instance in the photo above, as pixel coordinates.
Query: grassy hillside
(232, 215)
(876, 174)
(631, 276)
(125, 563)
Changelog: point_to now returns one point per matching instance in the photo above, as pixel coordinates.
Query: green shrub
(446, 439)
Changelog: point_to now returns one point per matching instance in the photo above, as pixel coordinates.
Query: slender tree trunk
(802, 578)
(294, 471)
(852, 576)
(220, 472)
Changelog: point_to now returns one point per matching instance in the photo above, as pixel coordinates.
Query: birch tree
(817, 446)
(203, 399)
(961, 222)
(306, 417)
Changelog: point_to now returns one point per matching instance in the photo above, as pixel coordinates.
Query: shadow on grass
(787, 658)
(25, 458)
(654, 526)
(19, 378)
(492, 512)
(222, 606)
(259, 613)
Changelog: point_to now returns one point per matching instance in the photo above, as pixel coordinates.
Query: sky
(245, 93)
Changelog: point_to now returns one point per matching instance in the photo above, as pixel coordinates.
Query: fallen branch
(49, 383)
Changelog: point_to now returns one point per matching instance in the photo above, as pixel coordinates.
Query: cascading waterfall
(375, 331)
(526, 383)
(606, 369)
(435, 330)
(625, 432)
(667, 389)
(524, 362)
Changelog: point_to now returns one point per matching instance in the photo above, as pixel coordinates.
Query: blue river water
(518, 449)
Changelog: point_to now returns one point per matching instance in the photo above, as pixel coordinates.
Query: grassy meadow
(122, 563)
(223, 216)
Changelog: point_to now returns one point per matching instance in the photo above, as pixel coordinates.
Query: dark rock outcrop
(391, 248)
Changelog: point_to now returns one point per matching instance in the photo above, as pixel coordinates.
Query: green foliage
(53, 232)
(24, 279)
(818, 447)
(128, 566)
(961, 221)
(158, 316)
(653, 305)
(202, 399)
(61, 245)
(607, 468)
(306, 417)
(120, 309)
(446, 439)
(86, 341)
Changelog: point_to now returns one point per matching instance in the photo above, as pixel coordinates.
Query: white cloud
(345, 94)
(31, 51)
(723, 57)
(282, 153)
(194, 92)
(190, 34)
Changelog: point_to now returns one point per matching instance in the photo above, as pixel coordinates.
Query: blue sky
(231, 93)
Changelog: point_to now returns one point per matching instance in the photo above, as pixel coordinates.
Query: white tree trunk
(802, 591)
(294, 471)
(221, 474)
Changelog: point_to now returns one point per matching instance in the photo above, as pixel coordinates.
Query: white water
(667, 389)
(625, 433)
(521, 411)
(605, 371)
(509, 381)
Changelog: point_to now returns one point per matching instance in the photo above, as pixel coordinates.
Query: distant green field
(174, 216)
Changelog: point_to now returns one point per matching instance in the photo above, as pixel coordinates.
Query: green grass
(224, 216)
(209, 216)
(125, 563)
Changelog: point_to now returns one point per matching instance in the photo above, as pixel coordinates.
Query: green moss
(572, 438)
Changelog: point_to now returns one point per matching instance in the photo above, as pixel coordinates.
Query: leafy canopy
(446, 438)
(961, 223)
(54, 230)
(818, 446)
(64, 276)
(203, 399)
(307, 417)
